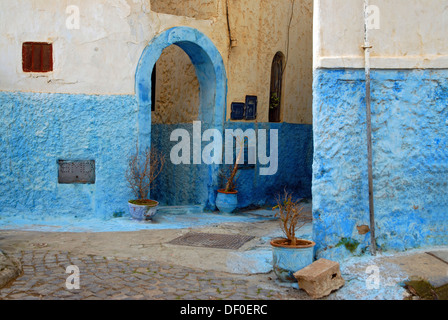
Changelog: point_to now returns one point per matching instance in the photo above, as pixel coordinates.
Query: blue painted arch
(211, 74)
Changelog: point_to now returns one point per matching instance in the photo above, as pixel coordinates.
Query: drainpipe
(367, 48)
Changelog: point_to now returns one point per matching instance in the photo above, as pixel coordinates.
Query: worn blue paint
(142, 212)
(179, 184)
(255, 261)
(287, 261)
(227, 202)
(295, 154)
(38, 129)
(184, 184)
(166, 218)
(410, 159)
(211, 75)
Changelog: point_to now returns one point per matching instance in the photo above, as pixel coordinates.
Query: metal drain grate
(212, 240)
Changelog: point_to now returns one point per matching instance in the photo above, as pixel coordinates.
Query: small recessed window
(153, 88)
(275, 101)
(37, 57)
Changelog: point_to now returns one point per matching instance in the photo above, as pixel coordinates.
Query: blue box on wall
(251, 107)
(238, 109)
(244, 111)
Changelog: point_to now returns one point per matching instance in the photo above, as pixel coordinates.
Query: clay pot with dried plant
(290, 254)
(143, 169)
(227, 198)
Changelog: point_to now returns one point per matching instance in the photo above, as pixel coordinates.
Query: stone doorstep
(428, 272)
(422, 289)
(320, 279)
(442, 255)
(10, 269)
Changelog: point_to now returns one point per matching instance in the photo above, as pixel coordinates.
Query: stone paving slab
(106, 278)
(384, 277)
(151, 244)
(441, 255)
(142, 265)
(154, 244)
(424, 266)
(10, 269)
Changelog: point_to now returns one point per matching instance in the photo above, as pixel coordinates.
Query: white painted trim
(408, 62)
(316, 34)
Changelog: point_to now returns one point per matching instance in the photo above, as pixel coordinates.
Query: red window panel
(37, 57)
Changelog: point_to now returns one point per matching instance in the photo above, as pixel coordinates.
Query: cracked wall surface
(87, 108)
(102, 55)
(177, 88)
(409, 130)
(198, 9)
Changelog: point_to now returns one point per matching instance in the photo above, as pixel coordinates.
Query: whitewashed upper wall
(412, 34)
(100, 57)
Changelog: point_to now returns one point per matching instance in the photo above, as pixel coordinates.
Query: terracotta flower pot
(288, 259)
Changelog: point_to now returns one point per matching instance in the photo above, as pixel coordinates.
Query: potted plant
(290, 254)
(274, 102)
(143, 168)
(227, 198)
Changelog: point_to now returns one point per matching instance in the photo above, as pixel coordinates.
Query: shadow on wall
(295, 157)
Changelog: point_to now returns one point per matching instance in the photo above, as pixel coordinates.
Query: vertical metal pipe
(367, 48)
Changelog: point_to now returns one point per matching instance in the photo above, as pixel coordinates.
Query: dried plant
(289, 212)
(231, 178)
(230, 182)
(143, 169)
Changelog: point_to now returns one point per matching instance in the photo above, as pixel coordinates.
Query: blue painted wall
(187, 184)
(295, 154)
(178, 184)
(37, 129)
(410, 154)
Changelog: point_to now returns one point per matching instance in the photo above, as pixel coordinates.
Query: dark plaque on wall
(76, 172)
(237, 109)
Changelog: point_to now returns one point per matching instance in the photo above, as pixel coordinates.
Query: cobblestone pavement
(109, 278)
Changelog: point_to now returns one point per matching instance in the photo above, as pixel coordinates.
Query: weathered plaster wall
(184, 184)
(409, 112)
(412, 34)
(37, 129)
(87, 108)
(261, 29)
(179, 184)
(198, 9)
(295, 156)
(410, 153)
(112, 35)
(177, 88)
(100, 57)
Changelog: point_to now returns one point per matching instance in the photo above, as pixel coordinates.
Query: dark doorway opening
(275, 97)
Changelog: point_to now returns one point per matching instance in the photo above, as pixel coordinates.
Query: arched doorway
(211, 75)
